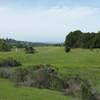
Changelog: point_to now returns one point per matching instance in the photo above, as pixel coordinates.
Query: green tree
(29, 49)
(67, 49)
(78, 39)
(73, 39)
(4, 46)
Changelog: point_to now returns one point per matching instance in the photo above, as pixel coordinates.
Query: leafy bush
(9, 62)
(29, 49)
(20, 75)
(4, 46)
(41, 76)
(48, 77)
(6, 73)
(67, 49)
(86, 90)
(82, 88)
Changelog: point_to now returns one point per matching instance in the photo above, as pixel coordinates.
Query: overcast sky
(47, 20)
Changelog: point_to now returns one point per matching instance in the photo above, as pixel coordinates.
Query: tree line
(6, 45)
(79, 39)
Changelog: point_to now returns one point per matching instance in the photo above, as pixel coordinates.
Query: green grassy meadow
(84, 62)
(9, 92)
(57, 57)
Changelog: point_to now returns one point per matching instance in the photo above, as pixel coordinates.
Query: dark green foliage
(73, 39)
(78, 39)
(4, 46)
(42, 76)
(67, 49)
(87, 40)
(96, 41)
(58, 44)
(20, 45)
(29, 49)
(9, 62)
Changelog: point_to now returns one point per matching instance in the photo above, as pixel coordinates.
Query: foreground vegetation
(79, 61)
(9, 92)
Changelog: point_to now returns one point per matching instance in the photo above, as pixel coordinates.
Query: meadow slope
(84, 62)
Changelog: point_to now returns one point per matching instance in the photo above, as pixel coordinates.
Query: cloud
(51, 24)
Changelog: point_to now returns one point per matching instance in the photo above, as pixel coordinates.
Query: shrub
(47, 77)
(73, 85)
(67, 49)
(6, 73)
(86, 90)
(20, 75)
(9, 62)
(4, 46)
(29, 49)
(41, 76)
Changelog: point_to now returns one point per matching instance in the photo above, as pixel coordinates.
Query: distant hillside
(21, 44)
(16, 42)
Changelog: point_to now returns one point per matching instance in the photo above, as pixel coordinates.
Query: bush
(73, 85)
(6, 73)
(41, 76)
(86, 90)
(47, 77)
(9, 62)
(4, 46)
(20, 75)
(29, 49)
(67, 49)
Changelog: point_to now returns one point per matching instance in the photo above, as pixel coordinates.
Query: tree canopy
(4, 46)
(78, 39)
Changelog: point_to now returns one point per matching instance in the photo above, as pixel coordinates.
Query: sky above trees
(47, 20)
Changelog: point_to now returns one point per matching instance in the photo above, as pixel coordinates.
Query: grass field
(57, 56)
(9, 92)
(84, 62)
